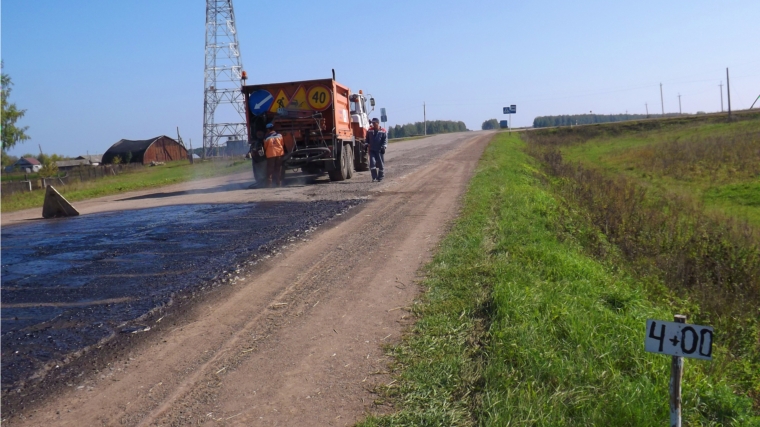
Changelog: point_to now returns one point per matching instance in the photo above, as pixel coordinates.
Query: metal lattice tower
(222, 99)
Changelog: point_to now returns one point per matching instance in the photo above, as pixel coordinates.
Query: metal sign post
(512, 109)
(678, 340)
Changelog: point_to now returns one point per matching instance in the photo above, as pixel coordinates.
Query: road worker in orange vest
(274, 149)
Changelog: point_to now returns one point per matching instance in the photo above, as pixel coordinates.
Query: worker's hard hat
(270, 126)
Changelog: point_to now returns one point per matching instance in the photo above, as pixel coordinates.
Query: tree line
(589, 119)
(418, 128)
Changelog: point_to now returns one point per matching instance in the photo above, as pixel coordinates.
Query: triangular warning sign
(281, 101)
(299, 101)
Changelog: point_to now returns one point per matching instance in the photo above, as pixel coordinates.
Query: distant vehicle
(323, 125)
(504, 124)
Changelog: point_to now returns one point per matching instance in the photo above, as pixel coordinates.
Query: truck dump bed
(296, 107)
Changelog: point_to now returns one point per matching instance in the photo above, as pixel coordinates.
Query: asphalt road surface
(209, 303)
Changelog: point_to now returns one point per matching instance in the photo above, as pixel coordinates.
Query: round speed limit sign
(319, 98)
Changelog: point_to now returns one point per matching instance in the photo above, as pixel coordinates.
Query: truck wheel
(350, 157)
(341, 172)
(361, 160)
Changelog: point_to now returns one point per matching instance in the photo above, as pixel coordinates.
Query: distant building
(94, 159)
(237, 148)
(25, 164)
(71, 164)
(158, 149)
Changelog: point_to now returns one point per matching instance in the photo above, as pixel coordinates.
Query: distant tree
(49, 168)
(116, 160)
(45, 158)
(490, 124)
(11, 134)
(8, 160)
(587, 119)
(128, 157)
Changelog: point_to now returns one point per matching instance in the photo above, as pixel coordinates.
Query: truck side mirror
(372, 102)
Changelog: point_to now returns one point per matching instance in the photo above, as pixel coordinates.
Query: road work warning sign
(298, 102)
(280, 101)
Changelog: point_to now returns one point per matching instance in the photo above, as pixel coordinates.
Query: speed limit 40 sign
(679, 339)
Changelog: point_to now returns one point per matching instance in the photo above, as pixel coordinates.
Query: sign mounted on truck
(319, 97)
(281, 101)
(260, 101)
(298, 102)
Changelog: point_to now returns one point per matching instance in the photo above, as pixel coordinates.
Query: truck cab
(359, 118)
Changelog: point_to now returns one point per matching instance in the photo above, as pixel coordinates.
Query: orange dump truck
(323, 125)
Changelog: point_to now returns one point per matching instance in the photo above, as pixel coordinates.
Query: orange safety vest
(273, 146)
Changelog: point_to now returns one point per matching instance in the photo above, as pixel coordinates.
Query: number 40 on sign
(679, 339)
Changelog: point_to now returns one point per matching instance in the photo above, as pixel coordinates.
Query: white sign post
(679, 340)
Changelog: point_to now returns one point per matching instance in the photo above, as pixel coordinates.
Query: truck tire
(361, 158)
(350, 157)
(341, 172)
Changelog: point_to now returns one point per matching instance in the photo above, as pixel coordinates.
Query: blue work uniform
(377, 141)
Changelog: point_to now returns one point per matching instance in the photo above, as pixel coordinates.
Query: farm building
(158, 149)
(94, 159)
(25, 164)
(71, 164)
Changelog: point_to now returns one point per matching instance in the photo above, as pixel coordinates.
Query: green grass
(520, 327)
(149, 177)
(663, 160)
(18, 176)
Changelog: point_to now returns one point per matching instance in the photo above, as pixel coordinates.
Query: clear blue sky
(92, 72)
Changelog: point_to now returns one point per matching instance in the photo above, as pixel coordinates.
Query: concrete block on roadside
(56, 206)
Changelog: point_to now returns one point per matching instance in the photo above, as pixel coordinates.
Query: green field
(149, 177)
(534, 316)
(712, 161)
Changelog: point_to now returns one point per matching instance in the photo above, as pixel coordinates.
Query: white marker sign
(679, 339)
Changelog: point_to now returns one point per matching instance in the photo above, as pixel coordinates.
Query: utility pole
(728, 91)
(662, 101)
(647, 107)
(721, 95)
(679, 104)
(424, 116)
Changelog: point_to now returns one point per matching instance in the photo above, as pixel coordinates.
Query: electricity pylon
(223, 103)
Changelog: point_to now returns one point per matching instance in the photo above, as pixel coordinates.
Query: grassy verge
(520, 327)
(171, 173)
(714, 162)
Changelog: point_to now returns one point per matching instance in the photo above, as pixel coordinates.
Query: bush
(490, 124)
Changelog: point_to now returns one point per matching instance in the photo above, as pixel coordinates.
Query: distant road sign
(679, 339)
(260, 101)
(383, 119)
(513, 107)
(382, 111)
(507, 110)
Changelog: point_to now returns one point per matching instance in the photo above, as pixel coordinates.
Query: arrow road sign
(679, 339)
(260, 101)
